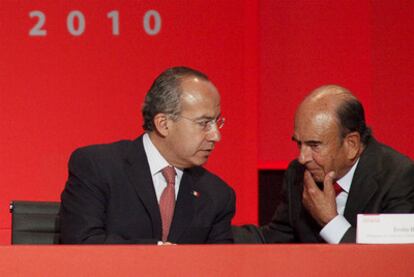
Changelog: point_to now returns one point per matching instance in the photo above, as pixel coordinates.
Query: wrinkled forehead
(314, 124)
(200, 96)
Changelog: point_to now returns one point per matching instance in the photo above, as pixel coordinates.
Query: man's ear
(353, 145)
(161, 124)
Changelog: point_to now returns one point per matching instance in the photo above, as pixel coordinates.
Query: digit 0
(70, 23)
(156, 17)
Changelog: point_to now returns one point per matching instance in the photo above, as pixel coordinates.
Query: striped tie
(337, 189)
(167, 201)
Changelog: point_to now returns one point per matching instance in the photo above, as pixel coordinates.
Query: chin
(200, 162)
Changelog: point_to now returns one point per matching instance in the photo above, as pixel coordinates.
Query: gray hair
(164, 94)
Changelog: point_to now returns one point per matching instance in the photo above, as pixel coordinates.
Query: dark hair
(351, 118)
(164, 94)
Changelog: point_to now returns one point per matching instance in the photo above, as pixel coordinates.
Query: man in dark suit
(153, 189)
(341, 171)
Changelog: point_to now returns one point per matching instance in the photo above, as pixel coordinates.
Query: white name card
(385, 228)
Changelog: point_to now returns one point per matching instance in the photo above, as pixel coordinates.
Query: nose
(305, 154)
(213, 134)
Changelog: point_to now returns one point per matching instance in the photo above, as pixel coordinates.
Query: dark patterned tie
(167, 201)
(337, 189)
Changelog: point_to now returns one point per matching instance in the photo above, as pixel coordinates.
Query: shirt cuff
(335, 229)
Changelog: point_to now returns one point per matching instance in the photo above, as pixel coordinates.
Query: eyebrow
(207, 117)
(313, 142)
(306, 142)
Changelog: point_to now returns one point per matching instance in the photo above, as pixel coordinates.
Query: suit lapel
(139, 175)
(184, 208)
(364, 184)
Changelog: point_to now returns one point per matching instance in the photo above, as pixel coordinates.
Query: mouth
(208, 148)
(206, 152)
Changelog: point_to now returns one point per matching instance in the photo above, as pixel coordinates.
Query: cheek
(331, 162)
(191, 144)
(184, 137)
(321, 160)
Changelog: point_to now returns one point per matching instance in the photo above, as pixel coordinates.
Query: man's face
(321, 149)
(188, 142)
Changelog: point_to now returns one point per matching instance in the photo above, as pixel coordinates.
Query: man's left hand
(321, 204)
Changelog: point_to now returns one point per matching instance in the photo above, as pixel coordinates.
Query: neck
(160, 143)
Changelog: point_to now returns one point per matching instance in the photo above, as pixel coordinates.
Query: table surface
(208, 260)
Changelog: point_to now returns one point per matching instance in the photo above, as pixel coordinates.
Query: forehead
(315, 126)
(199, 97)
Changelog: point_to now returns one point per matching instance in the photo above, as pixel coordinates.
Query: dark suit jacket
(383, 183)
(110, 198)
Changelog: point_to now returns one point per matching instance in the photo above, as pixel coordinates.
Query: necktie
(167, 201)
(337, 189)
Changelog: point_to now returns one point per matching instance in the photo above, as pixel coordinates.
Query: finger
(328, 182)
(310, 186)
(308, 180)
(165, 243)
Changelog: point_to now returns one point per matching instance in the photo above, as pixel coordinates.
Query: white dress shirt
(337, 227)
(156, 163)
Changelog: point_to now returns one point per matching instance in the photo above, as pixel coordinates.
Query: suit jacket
(110, 198)
(383, 183)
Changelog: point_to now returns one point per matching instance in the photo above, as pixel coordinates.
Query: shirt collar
(345, 181)
(155, 160)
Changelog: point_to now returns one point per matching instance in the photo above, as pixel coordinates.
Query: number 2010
(76, 30)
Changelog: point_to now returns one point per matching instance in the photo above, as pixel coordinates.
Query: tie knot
(337, 189)
(169, 174)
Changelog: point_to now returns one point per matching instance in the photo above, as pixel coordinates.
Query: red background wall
(366, 46)
(59, 92)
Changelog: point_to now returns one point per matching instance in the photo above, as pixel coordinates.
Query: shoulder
(393, 156)
(101, 152)
(386, 158)
(388, 167)
(208, 181)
